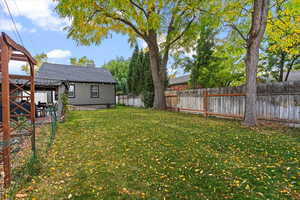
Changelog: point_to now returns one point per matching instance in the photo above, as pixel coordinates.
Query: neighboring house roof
(75, 73)
(293, 76)
(38, 81)
(179, 80)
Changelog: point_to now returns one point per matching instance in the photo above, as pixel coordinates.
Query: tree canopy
(282, 40)
(40, 59)
(174, 23)
(83, 61)
(173, 28)
(119, 69)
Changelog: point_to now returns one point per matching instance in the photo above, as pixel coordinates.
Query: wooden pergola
(14, 97)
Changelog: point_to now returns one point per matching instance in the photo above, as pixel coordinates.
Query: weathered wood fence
(130, 100)
(275, 102)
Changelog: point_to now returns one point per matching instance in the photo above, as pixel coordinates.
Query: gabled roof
(179, 80)
(75, 73)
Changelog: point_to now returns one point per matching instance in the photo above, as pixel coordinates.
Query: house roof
(75, 73)
(293, 76)
(179, 80)
(37, 81)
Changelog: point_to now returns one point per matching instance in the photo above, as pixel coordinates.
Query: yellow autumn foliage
(283, 29)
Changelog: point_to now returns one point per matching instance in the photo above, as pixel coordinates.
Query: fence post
(206, 103)
(177, 101)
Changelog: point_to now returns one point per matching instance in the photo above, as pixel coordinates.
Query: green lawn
(129, 153)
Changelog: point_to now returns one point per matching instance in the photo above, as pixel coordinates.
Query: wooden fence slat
(275, 101)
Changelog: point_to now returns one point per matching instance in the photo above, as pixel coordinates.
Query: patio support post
(32, 104)
(5, 56)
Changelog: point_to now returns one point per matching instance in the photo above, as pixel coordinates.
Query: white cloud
(59, 53)
(15, 67)
(40, 12)
(7, 25)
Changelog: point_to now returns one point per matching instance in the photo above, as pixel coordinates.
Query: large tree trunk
(158, 71)
(259, 22)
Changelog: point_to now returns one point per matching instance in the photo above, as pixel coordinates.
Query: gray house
(86, 86)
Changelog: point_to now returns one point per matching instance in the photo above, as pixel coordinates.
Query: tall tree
(40, 59)
(119, 69)
(148, 87)
(236, 16)
(140, 72)
(256, 33)
(174, 22)
(210, 66)
(83, 61)
(133, 75)
(202, 68)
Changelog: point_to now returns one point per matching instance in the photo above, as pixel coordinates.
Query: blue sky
(41, 31)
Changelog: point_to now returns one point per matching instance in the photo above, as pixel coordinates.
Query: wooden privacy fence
(130, 100)
(275, 102)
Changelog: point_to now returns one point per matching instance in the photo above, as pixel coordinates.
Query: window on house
(94, 91)
(56, 95)
(72, 91)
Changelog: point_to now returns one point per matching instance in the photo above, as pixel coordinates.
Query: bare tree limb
(167, 49)
(238, 31)
(130, 25)
(124, 21)
(290, 67)
(183, 32)
(139, 7)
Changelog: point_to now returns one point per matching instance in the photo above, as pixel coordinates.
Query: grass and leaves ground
(130, 153)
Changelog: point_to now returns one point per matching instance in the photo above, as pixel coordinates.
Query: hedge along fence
(275, 102)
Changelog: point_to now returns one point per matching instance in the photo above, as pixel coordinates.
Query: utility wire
(14, 23)
(10, 24)
(15, 2)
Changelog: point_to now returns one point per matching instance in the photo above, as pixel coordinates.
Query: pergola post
(32, 113)
(5, 57)
(10, 50)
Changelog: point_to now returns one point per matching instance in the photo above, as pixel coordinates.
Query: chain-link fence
(25, 160)
(53, 115)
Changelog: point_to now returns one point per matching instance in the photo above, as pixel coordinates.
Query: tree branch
(238, 31)
(124, 21)
(290, 67)
(139, 7)
(130, 25)
(183, 32)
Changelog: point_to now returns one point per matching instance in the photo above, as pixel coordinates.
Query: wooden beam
(18, 47)
(5, 56)
(13, 76)
(19, 57)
